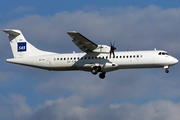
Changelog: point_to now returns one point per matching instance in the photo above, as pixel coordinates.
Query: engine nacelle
(102, 49)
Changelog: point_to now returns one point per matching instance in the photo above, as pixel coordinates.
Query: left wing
(82, 42)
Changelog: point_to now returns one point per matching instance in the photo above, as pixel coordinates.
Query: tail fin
(20, 47)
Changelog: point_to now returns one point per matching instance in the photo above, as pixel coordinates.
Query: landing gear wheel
(102, 75)
(166, 70)
(94, 71)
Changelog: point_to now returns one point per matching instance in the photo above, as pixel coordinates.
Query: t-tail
(22, 50)
(20, 47)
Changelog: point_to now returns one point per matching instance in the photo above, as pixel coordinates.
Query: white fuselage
(96, 58)
(85, 62)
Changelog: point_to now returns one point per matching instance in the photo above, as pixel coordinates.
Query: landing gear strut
(166, 69)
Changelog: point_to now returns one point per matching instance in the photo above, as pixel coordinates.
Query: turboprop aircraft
(96, 58)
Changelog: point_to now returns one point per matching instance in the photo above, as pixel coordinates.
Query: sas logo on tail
(21, 46)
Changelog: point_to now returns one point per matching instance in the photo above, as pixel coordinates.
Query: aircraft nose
(175, 61)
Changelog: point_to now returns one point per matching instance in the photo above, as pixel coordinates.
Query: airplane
(95, 58)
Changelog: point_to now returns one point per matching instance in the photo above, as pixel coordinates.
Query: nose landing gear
(166, 69)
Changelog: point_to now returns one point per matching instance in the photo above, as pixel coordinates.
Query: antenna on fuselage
(128, 48)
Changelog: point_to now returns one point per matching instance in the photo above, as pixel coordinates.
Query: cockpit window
(163, 53)
(166, 53)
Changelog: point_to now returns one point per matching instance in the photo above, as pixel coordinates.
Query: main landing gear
(97, 69)
(102, 75)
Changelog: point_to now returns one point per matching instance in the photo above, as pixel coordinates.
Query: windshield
(163, 53)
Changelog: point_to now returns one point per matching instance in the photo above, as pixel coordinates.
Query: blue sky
(29, 93)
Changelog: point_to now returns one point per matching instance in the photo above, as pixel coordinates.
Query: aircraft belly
(131, 66)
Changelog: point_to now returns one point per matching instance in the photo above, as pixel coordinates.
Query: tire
(167, 71)
(102, 75)
(94, 71)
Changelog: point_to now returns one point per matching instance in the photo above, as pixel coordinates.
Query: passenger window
(64, 58)
(116, 56)
(71, 58)
(137, 56)
(74, 58)
(123, 56)
(61, 59)
(134, 56)
(92, 57)
(67, 58)
(88, 57)
(159, 53)
(120, 56)
(57, 58)
(130, 56)
(127, 56)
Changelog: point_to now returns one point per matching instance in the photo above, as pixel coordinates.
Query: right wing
(82, 42)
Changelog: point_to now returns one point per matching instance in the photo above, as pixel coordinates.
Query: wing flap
(82, 42)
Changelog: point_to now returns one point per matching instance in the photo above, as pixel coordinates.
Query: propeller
(112, 48)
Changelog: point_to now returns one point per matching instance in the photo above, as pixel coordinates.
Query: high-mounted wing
(82, 42)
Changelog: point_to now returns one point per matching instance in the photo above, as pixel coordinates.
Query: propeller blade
(113, 43)
(112, 48)
(113, 54)
(110, 54)
(110, 43)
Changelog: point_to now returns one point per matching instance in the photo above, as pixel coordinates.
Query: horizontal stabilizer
(12, 32)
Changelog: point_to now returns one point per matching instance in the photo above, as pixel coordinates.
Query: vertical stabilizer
(20, 47)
